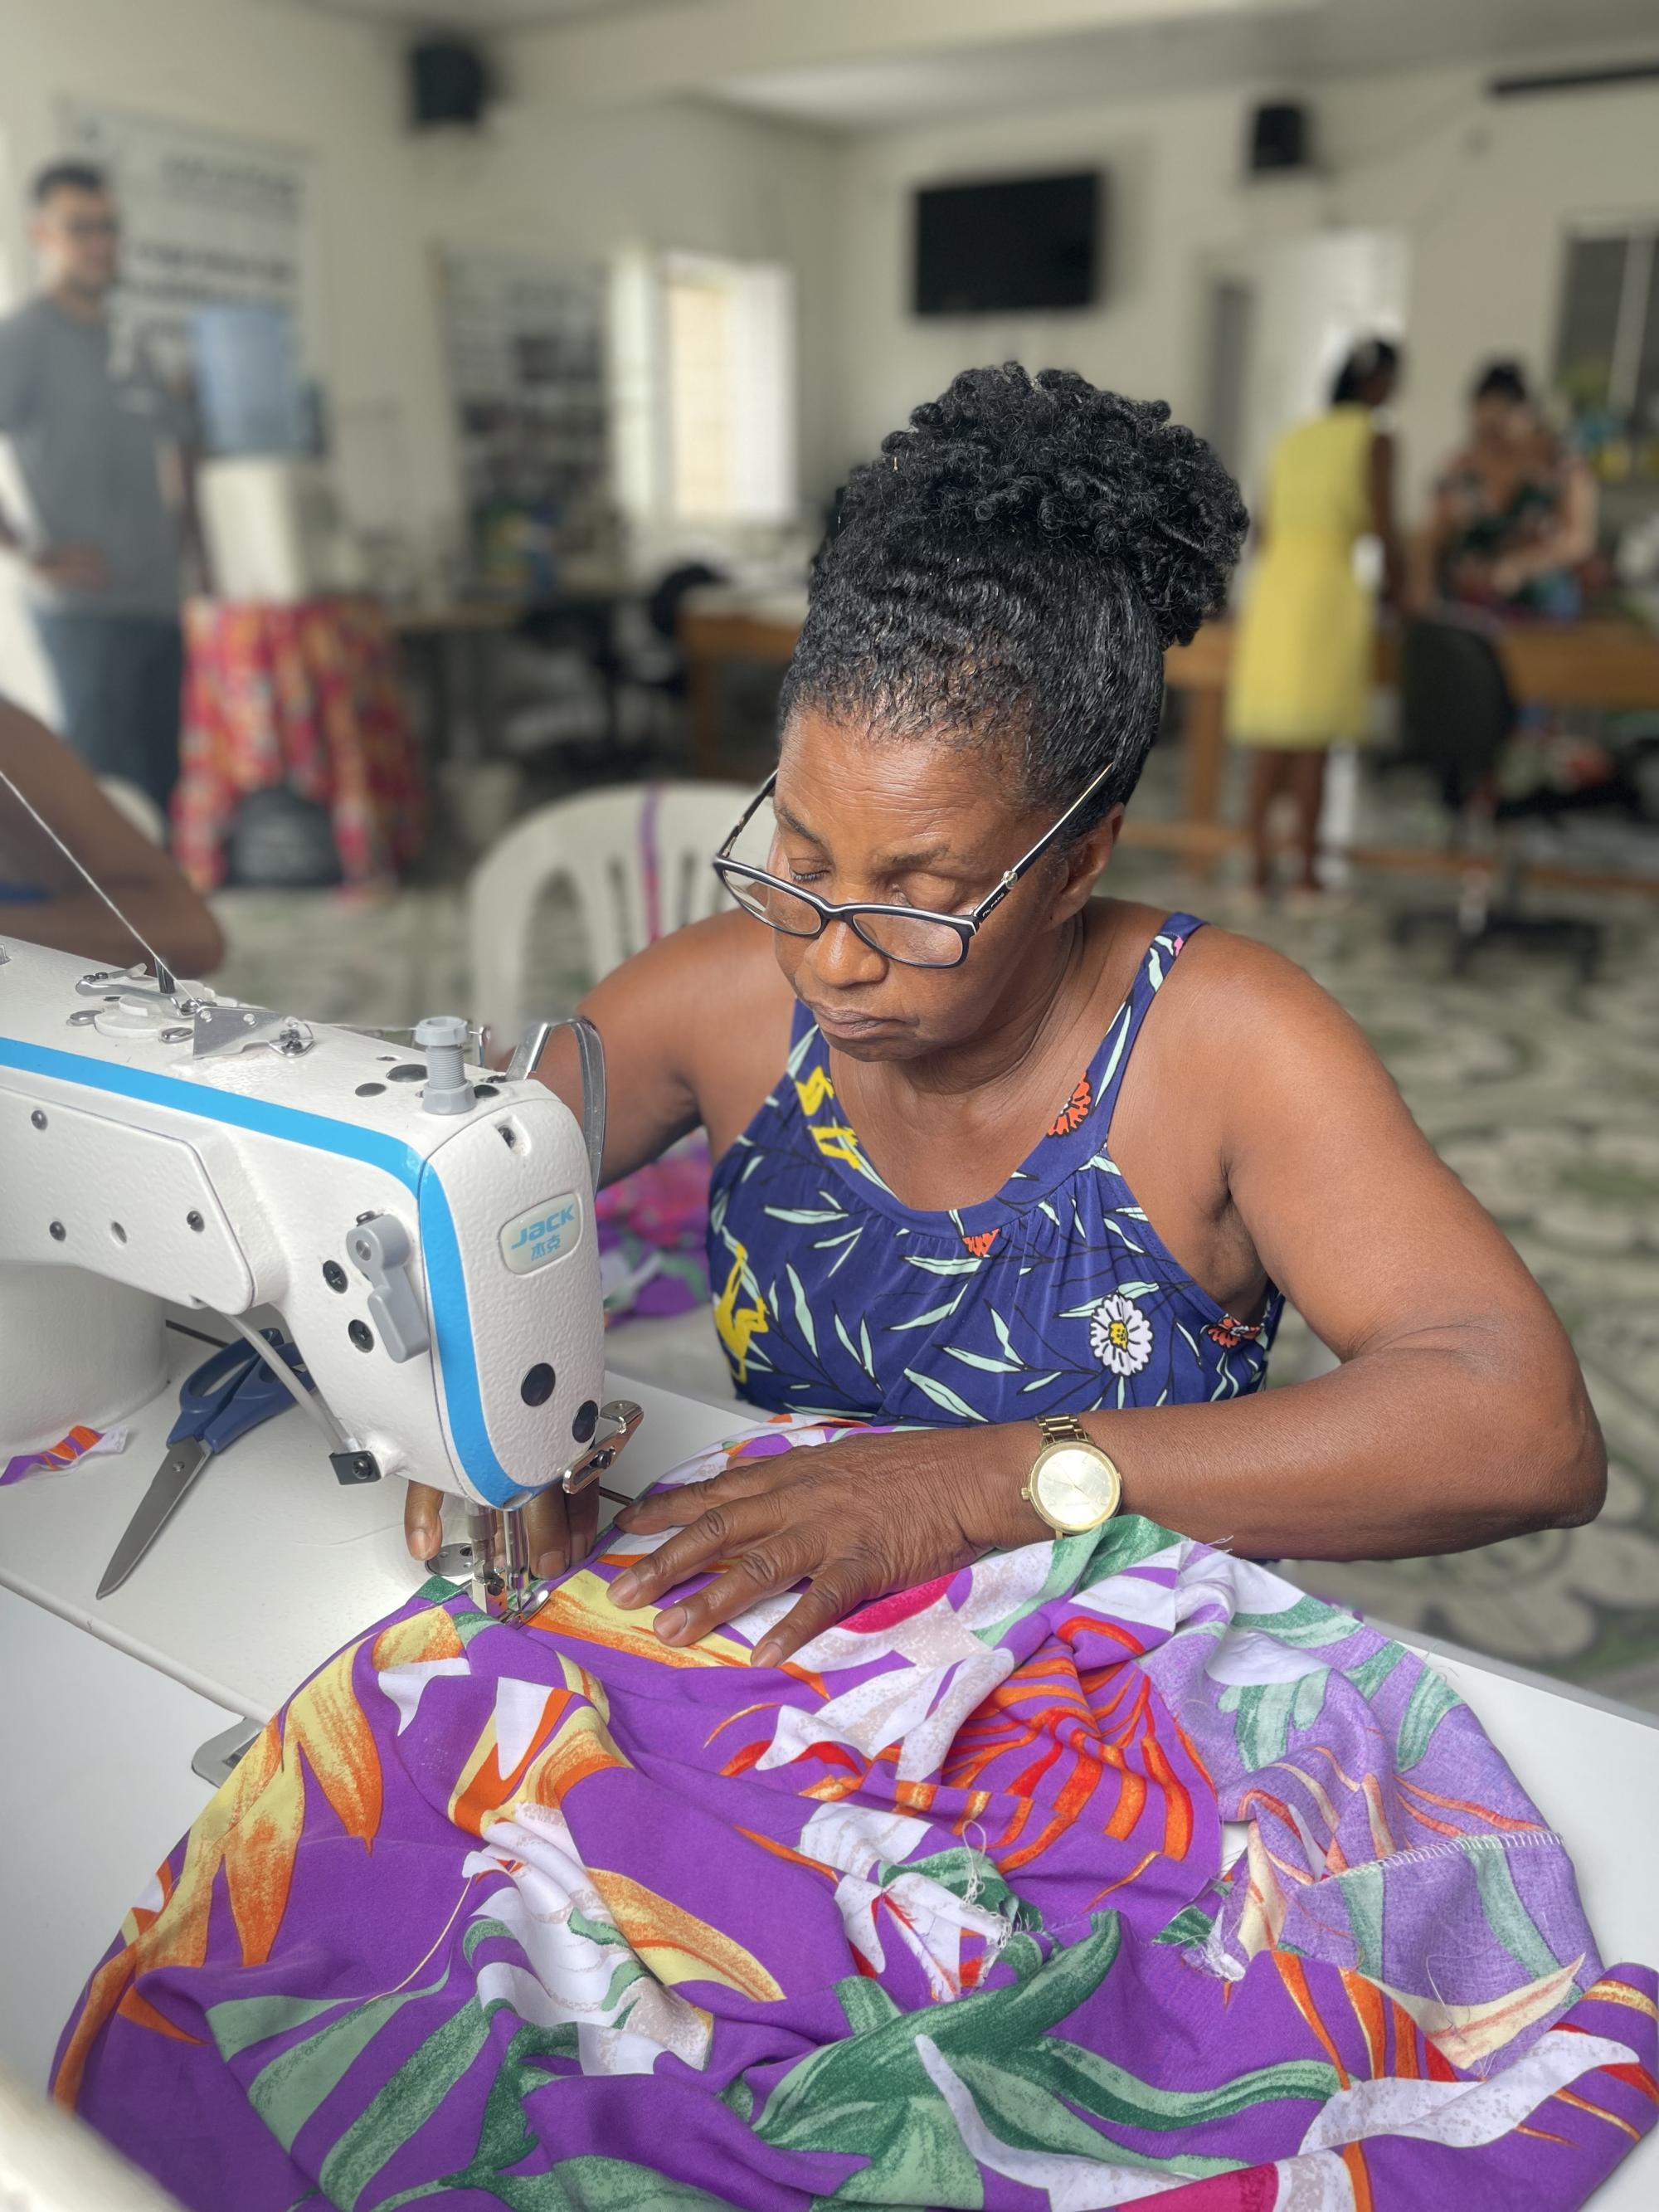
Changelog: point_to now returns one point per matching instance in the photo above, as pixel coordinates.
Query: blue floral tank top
(831, 1295)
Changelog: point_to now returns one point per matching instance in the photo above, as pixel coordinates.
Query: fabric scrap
(80, 1442)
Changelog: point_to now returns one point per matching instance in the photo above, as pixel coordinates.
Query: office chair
(1456, 715)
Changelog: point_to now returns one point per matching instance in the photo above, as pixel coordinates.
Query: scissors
(222, 1400)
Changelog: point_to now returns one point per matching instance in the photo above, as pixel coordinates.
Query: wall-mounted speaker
(1279, 138)
(450, 81)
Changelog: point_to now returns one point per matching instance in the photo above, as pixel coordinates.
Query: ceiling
(475, 15)
(1136, 61)
(1286, 43)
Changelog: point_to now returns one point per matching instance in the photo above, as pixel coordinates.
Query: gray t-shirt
(88, 430)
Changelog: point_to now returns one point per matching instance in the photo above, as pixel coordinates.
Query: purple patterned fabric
(558, 1917)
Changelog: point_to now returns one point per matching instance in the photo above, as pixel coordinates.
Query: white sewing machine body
(460, 1344)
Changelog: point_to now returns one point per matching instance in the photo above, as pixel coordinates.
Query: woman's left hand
(853, 1519)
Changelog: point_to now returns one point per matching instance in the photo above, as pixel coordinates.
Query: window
(1606, 360)
(705, 398)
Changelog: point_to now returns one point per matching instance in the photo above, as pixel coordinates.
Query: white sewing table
(269, 1566)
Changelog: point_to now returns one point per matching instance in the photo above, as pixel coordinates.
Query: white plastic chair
(140, 808)
(596, 844)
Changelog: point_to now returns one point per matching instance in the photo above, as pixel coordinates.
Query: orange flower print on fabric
(1076, 1111)
(1230, 1334)
(980, 1245)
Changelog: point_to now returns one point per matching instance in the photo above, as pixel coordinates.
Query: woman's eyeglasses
(912, 935)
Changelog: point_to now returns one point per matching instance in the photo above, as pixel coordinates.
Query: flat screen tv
(1016, 245)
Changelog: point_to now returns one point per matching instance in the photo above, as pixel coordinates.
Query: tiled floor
(1544, 1097)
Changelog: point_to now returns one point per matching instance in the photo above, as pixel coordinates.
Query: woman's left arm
(1458, 1415)
(1567, 543)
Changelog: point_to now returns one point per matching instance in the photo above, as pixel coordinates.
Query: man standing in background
(99, 442)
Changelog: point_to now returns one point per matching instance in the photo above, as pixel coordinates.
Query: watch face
(1074, 1485)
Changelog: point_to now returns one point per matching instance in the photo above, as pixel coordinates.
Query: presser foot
(495, 1557)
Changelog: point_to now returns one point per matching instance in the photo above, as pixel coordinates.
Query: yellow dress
(1302, 658)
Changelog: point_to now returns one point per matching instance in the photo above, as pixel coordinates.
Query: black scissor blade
(170, 1484)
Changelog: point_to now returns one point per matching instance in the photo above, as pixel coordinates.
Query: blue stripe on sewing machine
(446, 1282)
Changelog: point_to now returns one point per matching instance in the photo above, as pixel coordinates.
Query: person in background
(1301, 665)
(100, 446)
(44, 901)
(1514, 517)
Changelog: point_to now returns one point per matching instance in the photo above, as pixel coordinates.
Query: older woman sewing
(1034, 1166)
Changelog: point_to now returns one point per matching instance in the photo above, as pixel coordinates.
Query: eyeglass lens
(917, 941)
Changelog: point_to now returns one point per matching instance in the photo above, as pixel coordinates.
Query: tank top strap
(1106, 1076)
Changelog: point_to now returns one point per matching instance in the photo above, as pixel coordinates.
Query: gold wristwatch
(1073, 1484)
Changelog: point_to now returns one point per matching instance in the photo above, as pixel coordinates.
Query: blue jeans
(119, 679)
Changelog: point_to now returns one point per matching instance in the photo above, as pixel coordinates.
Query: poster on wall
(525, 341)
(207, 218)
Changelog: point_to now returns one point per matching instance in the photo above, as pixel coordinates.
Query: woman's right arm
(674, 1021)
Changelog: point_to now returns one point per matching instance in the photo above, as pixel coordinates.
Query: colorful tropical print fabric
(558, 1918)
(1058, 1295)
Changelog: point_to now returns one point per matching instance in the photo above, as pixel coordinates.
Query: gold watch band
(1063, 1429)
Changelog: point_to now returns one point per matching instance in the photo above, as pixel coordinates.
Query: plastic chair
(635, 856)
(140, 808)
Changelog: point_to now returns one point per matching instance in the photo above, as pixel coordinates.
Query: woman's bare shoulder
(728, 956)
(1243, 1010)
(1221, 960)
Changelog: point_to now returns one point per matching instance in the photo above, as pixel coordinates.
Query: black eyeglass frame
(964, 927)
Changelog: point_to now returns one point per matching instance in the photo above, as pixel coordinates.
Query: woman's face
(915, 822)
(1500, 420)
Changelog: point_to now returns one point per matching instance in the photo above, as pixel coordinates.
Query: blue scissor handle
(234, 1391)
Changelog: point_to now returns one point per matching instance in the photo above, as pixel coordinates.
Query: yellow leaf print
(676, 1945)
(428, 1635)
(1466, 2033)
(258, 1856)
(735, 1325)
(583, 1746)
(815, 1091)
(837, 1142)
(327, 1724)
(250, 1827)
(580, 1607)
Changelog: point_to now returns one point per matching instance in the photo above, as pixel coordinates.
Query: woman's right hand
(562, 1530)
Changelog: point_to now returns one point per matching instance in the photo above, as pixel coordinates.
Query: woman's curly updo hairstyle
(1009, 573)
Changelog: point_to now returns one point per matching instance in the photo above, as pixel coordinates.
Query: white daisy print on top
(1120, 1335)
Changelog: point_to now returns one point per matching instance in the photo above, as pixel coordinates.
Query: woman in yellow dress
(1301, 666)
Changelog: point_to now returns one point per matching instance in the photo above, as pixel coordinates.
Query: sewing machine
(424, 1231)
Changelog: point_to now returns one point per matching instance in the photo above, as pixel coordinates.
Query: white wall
(550, 178)
(1484, 192)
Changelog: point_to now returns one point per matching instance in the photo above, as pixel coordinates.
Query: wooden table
(1605, 664)
(711, 634)
(459, 635)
